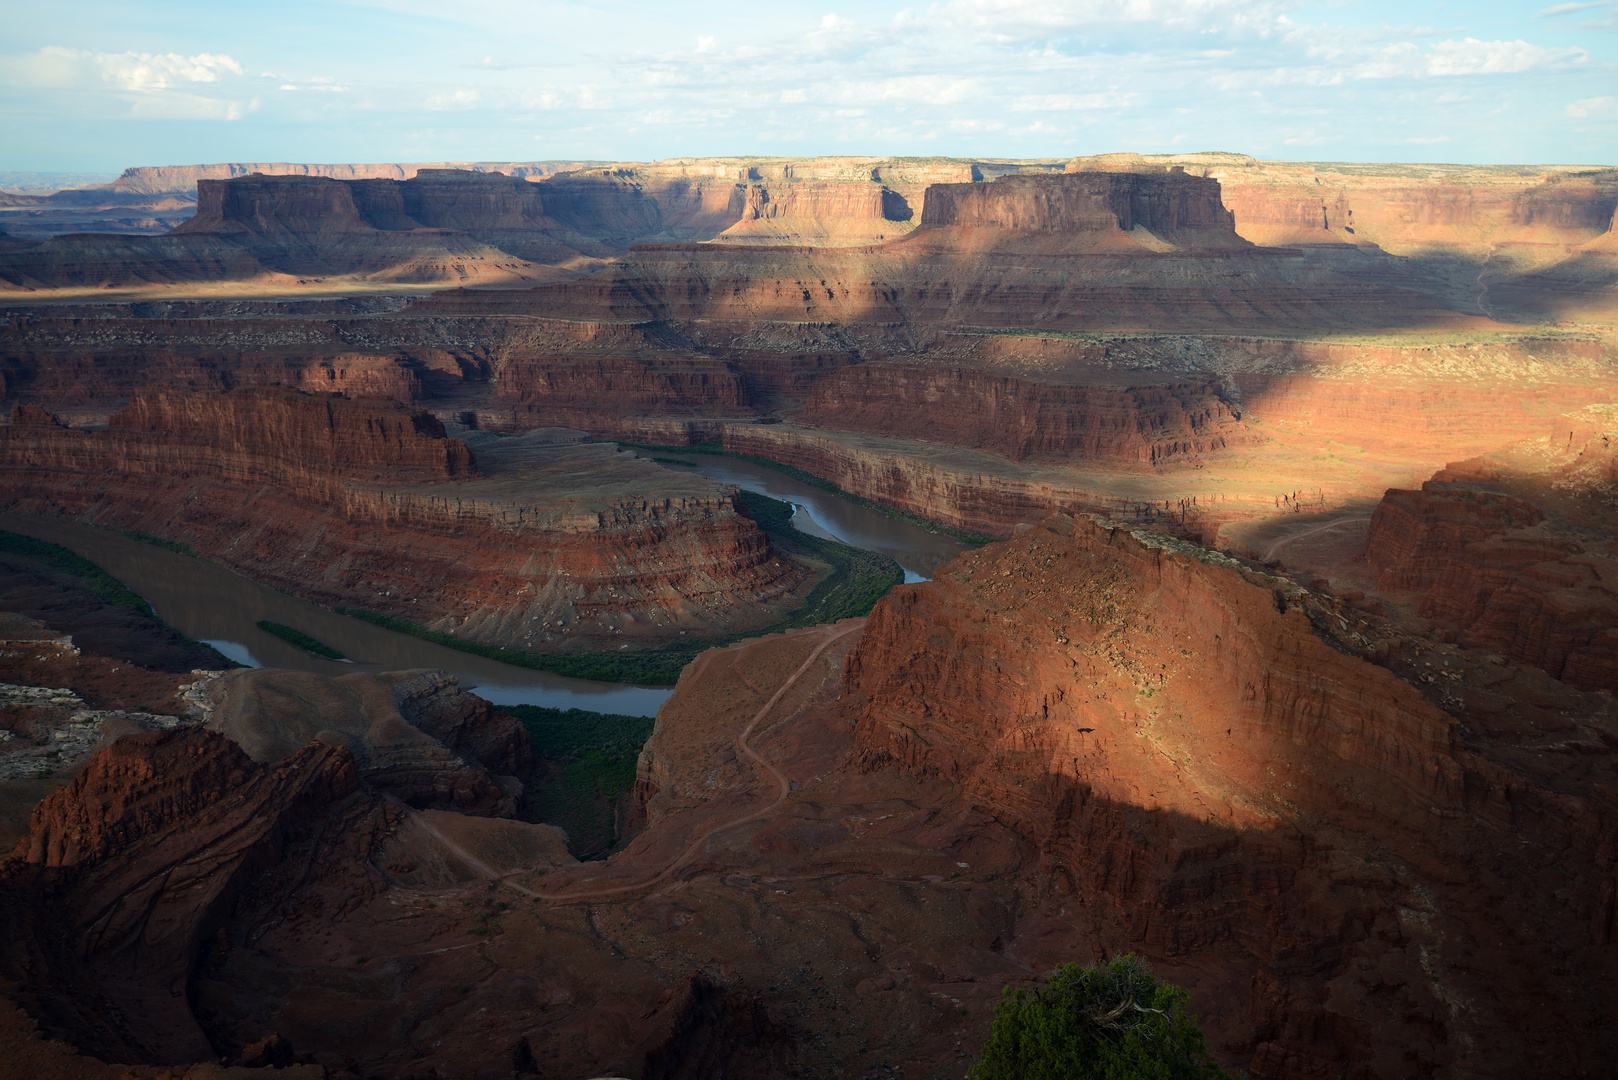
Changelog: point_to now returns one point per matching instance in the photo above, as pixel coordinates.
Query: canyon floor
(1281, 651)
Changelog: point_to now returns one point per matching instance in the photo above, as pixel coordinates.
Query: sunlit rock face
(1202, 756)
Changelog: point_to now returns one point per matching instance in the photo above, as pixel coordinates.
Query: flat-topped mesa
(268, 430)
(284, 207)
(1174, 207)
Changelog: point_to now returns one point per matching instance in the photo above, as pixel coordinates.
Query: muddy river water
(213, 604)
(825, 513)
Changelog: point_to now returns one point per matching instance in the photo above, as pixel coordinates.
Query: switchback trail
(783, 788)
(1285, 540)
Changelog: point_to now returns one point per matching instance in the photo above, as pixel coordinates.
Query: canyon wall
(1174, 206)
(366, 504)
(992, 504)
(1203, 761)
(110, 904)
(1022, 419)
(1512, 553)
(183, 179)
(306, 207)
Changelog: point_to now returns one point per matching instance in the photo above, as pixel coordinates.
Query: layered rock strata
(1515, 556)
(109, 903)
(1021, 419)
(366, 504)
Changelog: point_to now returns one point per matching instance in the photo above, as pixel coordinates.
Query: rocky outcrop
(973, 491)
(1199, 761)
(184, 179)
(413, 735)
(1514, 560)
(130, 870)
(1052, 278)
(590, 392)
(1022, 419)
(276, 209)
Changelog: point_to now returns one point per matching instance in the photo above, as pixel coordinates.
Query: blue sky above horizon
(98, 86)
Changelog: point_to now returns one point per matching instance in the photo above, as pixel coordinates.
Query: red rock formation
(1023, 419)
(183, 179)
(1175, 207)
(413, 735)
(131, 868)
(1495, 568)
(590, 392)
(1082, 251)
(441, 225)
(273, 482)
(1235, 794)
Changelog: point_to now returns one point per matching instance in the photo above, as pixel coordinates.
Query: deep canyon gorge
(1280, 648)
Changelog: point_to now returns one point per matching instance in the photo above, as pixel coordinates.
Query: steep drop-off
(1023, 419)
(1513, 552)
(1205, 769)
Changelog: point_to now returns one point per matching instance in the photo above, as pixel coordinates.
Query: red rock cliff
(1494, 568)
(1174, 206)
(1021, 419)
(1197, 765)
(273, 482)
(131, 868)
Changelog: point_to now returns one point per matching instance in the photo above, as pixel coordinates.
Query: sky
(99, 86)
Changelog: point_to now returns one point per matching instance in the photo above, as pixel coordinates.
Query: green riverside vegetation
(60, 558)
(715, 449)
(1112, 1022)
(300, 639)
(106, 586)
(858, 579)
(592, 760)
(157, 541)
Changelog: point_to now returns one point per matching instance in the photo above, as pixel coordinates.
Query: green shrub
(594, 756)
(157, 541)
(1117, 1022)
(300, 639)
(60, 558)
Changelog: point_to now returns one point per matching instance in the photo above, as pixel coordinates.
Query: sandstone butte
(1350, 780)
(365, 503)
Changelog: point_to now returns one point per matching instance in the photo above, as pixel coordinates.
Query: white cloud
(154, 85)
(1474, 57)
(1569, 9)
(453, 99)
(1594, 108)
(184, 107)
(794, 97)
(54, 66)
(1074, 102)
(1011, 19)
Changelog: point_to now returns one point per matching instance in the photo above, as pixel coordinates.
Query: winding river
(210, 603)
